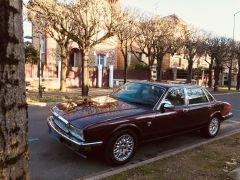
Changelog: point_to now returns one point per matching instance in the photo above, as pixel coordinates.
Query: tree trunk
(217, 71)
(189, 71)
(85, 73)
(63, 76)
(230, 76)
(150, 73)
(125, 68)
(159, 67)
(64, 69)
(14, 156)
(210, 74)
(238, 76)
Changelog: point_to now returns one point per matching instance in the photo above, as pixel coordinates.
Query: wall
(51, 81)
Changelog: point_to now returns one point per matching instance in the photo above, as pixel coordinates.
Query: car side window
(196, 96)
(176, 97)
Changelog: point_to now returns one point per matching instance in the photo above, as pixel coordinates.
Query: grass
(53, 98)
(210, 161)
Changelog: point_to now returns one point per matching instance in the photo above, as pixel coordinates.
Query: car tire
(116, 152)
(212, 129)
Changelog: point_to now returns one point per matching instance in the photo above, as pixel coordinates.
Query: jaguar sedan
(135, 113)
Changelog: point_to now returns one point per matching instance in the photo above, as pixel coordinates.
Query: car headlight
(77, 133)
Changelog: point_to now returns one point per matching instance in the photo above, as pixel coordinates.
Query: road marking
(236, 109)
(33, 140)
(225, 93)
(237, 122)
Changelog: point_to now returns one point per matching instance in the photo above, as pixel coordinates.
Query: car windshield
(139, 93)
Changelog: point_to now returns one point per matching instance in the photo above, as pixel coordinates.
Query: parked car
(135, 113)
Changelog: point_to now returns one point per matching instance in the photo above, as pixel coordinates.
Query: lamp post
(234, 23)
(231, 62)
(39, 66)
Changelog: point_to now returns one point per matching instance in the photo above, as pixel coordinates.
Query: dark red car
(137, 112)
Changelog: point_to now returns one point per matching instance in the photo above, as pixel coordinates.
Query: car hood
(82, 113)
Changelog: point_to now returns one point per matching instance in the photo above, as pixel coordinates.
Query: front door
(171, 121)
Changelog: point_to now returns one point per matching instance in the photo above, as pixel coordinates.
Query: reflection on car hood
(82, 113)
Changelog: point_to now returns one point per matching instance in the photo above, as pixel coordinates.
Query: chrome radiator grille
(60, 124)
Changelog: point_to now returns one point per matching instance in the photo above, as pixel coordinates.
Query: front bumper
(227, 116)
(69, 140)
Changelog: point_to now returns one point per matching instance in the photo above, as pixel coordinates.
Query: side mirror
(167, 106)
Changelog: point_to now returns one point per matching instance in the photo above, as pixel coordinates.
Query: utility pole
(231, 61)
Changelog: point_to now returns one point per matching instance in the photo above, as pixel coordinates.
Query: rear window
(196, 96)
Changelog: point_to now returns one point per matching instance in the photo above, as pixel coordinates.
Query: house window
(73, 58)
(101, 60)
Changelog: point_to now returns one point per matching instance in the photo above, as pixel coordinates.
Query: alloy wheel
(123, 147)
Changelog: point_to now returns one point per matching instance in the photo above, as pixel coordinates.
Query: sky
(214, 16)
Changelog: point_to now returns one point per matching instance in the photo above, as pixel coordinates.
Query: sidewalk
(106, 91)
(222, 90)
(75, 92)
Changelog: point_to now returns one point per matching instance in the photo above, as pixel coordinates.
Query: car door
(198, 109)
(146, 122)
(171, 121)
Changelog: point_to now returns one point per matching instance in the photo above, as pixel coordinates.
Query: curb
(166, 154)
(43, 104)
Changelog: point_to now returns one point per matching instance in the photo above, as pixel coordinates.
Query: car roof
(166, 85)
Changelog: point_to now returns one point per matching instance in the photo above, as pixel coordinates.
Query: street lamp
(234, 23)
(231, 62)
(39, 66)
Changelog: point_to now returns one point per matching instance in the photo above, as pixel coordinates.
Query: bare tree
(221, 55)
(167, 38)
(125, 37)
(93, 22)
(14, 156)
(50, 18)
(144, 37)
(157, 36)
(211, 46)
(193, 44)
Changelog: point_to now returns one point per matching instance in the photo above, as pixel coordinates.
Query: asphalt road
(51, 160)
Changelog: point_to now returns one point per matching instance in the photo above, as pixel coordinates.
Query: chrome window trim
(207, 92)
(192, 105)
(159, 100)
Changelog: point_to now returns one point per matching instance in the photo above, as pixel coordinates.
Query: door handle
(149, 123)
(185, 110)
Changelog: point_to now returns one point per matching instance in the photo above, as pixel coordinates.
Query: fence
(139, 75)
(50, 76)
